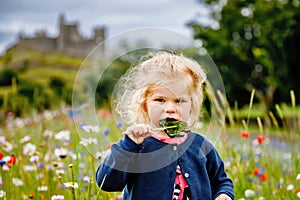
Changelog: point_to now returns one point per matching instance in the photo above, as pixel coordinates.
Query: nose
(169, 107)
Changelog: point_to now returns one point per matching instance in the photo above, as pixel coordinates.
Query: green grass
(47, 170)
(5, 90)
(36, 69)
(44, 74)
(40, 66)
(276, 157)
(40, 173)
(15, 57)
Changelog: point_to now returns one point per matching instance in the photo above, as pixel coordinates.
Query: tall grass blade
(279, 112)
(230, 116)
(245, 125)
(293, 98)
(294, 115)
(250, 108)
(260, 125)
(274, 120)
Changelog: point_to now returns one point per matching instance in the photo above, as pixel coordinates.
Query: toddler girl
(149, 162)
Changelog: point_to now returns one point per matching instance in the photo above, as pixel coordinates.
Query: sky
(30, 16)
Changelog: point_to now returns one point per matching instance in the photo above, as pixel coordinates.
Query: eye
(180, 101)
(159, 100)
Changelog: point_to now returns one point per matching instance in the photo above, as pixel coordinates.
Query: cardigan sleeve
(220, 183)
(112, 174)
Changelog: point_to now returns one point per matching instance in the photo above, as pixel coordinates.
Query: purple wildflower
(106, 131)
(119, 124)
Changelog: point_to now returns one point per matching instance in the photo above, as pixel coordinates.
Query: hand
(223, 197)
(138, 132)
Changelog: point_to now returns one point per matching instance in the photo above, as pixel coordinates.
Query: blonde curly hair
(136, 84)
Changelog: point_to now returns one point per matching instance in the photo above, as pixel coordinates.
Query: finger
(140, 130)
(146, 131)
(126, 133)
(131, 130)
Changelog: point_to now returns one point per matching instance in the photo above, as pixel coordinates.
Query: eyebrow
(162, 96)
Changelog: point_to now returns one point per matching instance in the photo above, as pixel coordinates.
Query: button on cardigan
(147, 171)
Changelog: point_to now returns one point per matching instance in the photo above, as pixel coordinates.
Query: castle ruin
(69, 41)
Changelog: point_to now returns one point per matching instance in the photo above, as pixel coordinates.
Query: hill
(30, 78)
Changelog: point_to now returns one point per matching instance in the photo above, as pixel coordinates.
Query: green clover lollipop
(174, 128)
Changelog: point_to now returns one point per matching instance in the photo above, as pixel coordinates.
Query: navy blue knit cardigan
(147, 171)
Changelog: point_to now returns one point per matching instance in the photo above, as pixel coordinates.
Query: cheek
(154, 109)
(154, 112)
(186, 111)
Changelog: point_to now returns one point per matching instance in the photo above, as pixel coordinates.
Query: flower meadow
(44, 156)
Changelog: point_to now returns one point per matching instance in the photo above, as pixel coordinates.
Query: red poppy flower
(244, 134)
(1, 155)
(12, 161)
(263, 177)
(256, 171)
(260, 138)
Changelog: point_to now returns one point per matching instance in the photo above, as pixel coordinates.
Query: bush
(7, 76)
(57, 84)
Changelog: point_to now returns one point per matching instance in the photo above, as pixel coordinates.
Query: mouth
(171, 119)
(173, 127)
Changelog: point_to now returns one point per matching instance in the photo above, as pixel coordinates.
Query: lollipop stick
(154, 129)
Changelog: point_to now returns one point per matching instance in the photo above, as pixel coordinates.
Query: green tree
(7, 76)
(249, 41)
(57, 84)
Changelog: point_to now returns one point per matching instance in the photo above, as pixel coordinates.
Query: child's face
(170, 100)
